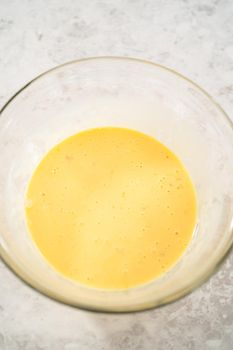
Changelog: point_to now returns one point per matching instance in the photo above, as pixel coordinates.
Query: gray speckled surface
(194, 37)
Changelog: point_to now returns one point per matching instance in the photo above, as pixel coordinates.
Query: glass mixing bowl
(123, 92)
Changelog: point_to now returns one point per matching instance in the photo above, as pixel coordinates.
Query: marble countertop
(194, 37)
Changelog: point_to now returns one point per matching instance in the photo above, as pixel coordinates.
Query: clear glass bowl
(112, 91)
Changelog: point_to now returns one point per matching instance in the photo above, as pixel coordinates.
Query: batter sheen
(111, 208)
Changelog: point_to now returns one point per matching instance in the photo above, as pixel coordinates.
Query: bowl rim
(20, 273)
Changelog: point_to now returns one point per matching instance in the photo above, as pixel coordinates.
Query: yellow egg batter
(111, 208)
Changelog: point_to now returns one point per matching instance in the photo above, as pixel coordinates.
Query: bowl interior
(125, 93)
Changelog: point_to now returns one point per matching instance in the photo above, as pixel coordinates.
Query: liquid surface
(111, 208)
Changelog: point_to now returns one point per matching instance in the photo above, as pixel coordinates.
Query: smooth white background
(194, 37)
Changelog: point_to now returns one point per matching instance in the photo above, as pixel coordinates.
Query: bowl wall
(125, 93)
